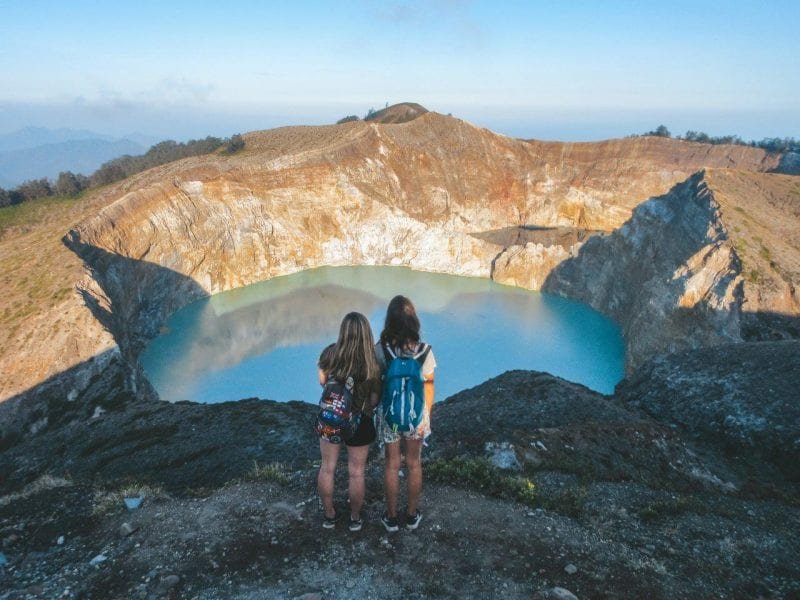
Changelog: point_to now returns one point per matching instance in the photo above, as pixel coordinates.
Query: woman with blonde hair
(349, 362)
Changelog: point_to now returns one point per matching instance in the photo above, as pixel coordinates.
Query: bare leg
(327, 469)
(414, 467)
(356, 462)
(391, 477)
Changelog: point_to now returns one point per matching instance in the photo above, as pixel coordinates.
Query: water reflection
(263, 340)
(566, 237)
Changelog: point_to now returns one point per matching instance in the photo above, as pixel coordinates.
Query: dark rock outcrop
(743, 395)
(635, 505)
(178, 446)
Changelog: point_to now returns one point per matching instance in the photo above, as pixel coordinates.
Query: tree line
(72, 184)
(787, 144)
(367, 116)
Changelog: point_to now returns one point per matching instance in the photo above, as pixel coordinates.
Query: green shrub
(110, 501)
(235, 144)
(670, 507)
(273, 472)
(480, 474)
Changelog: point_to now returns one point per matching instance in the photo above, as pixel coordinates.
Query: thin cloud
(167, 91)
(452, 14)
(182, 90)
(405, 12)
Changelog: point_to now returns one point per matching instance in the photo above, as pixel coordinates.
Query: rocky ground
(535, 487)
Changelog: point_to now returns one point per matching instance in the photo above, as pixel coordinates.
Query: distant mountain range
(36, 152)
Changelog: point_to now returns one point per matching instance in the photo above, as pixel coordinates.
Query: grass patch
(753, 276)
(670, 507)
(273, 473)
(570, 503)
(33, 212)
(740, 245)
(61, 294)
(480, 474)
(110, 501)
(45, 482)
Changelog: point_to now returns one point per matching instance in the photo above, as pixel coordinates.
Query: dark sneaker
(390, 523)
(356, 524)
(412, 522)
(329, 522)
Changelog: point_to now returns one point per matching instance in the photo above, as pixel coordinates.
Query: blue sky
(547, 69)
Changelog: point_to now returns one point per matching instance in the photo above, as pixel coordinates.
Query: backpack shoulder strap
(422, 354)
(388, 353)
(348, 382)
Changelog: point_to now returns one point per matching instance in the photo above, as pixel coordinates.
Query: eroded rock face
(406, 194)
(360, 193)
(669, 276)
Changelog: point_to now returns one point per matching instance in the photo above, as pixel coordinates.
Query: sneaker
(329, 522)
(356, 524)
(412, 522)
(389, 523)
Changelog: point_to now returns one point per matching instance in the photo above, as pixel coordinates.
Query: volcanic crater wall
(670, 276)
(419, 194)
(413, 195)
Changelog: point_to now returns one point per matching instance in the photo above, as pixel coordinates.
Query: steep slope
(45, 327)
(691, 268)
(761, 214)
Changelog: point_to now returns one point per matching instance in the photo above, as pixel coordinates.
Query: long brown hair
(402, 324)
(353, 354)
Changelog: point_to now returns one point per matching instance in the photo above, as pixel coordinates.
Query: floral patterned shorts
(386, 435)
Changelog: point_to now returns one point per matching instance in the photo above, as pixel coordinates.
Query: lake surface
(264, 340)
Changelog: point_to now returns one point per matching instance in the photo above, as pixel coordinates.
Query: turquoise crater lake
(263, 340)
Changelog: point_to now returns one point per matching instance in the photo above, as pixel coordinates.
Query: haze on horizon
(537, 69)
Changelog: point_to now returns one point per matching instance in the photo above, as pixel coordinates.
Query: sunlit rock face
(409, 194)
(669, 276)
(717, 259)
(419, 194)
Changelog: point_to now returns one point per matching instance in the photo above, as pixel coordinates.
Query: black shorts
(364, 435)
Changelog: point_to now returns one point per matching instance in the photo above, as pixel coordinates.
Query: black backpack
(336, 420)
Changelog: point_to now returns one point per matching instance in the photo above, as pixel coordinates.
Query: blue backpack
(403, 401)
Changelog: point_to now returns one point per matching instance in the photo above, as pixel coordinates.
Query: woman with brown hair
(400, 341)
(350, 360)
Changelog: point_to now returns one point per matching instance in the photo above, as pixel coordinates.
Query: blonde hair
(353, 354)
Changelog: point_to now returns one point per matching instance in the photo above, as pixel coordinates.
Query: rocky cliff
(669, 276)
(430, 193)
(716, 259)
(407, 194)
